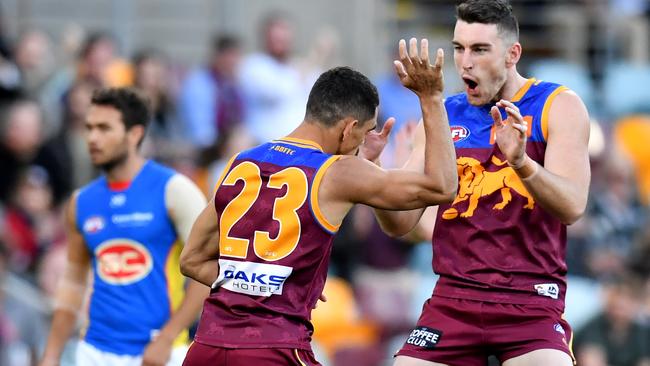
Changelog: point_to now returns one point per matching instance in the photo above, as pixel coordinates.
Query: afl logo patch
(93, 224)
(123, 261)
(459, 133)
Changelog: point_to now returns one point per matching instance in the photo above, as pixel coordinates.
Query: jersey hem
(488, 295)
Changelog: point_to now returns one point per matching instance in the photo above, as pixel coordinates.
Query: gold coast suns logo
(123, 261)
(474, 183)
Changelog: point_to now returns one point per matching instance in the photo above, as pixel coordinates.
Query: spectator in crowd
(97, 64)
(35, 61)
(274, 92)
(615, 336)
(210, 99)
(71, 136)
(22, 328)
(22, 144)
(151, 76)
(613, 217)
(9, 76)
(30, 224)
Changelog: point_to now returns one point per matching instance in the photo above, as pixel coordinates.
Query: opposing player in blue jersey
(128, 226)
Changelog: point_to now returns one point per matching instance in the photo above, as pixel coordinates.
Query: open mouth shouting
(471, 85)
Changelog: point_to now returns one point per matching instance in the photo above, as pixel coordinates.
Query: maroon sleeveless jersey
(494, 242)
(274, 246)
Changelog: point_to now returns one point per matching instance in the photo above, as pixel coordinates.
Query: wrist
(165, 336)
(526, 168)
(519, 163)
(431, 97)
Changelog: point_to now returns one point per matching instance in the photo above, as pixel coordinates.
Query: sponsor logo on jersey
(93, 224)
(257, 279)
(558, 328)
(133, 219)
(424, 337)
(123, 261)
(118, 200)
(551, 290)
(459, 133)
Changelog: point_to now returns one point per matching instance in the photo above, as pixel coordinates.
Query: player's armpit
(200, 256)
(360, 181)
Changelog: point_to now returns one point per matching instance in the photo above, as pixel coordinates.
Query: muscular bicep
(568, 137)
(360, 181)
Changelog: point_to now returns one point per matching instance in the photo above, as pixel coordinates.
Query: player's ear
(136, 133)
(349, 124)
(513, 54)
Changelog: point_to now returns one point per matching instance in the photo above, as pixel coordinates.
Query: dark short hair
(146, 54)
(497, 12)
(341, 92)
(225, 42)
(93, 40)
(133, 106)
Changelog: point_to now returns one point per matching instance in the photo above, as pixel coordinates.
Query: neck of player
(513, 84)
(126, 170)
(315, 132)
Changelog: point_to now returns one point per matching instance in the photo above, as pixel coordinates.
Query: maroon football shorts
(466, 332)
(201, 355)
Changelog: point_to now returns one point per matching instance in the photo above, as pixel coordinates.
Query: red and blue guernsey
(135, 250)
(494, 242)
(274, 247)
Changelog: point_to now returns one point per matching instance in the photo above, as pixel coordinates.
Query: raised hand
(414, 70)
(404, 142)
(375, 142)
(510, 135)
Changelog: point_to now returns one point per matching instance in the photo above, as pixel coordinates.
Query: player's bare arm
(71, 289)
(440, 149)
(560, 186)
(184, 202)
(200, 256)
(402, 189)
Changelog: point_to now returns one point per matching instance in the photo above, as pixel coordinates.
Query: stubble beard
(117, 160)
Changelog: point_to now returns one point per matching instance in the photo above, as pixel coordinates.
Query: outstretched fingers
(496, 116)
(440, 59)
(403, 55)
(388, 126)
(413, 51)
(515, 119)
(400, 69)
(424, 51)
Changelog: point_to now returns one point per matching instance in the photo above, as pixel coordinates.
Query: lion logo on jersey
(123, 261)
(475, 182)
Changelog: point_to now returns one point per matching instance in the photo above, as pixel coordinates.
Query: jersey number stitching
(284, 212)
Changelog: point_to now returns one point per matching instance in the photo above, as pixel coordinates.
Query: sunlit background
(194, 57)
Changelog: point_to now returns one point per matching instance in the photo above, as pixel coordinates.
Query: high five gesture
(414, 70)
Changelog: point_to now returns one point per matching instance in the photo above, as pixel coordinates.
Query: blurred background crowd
(224, 75)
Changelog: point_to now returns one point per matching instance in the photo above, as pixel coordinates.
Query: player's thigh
(412, 361)
(541, 357)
